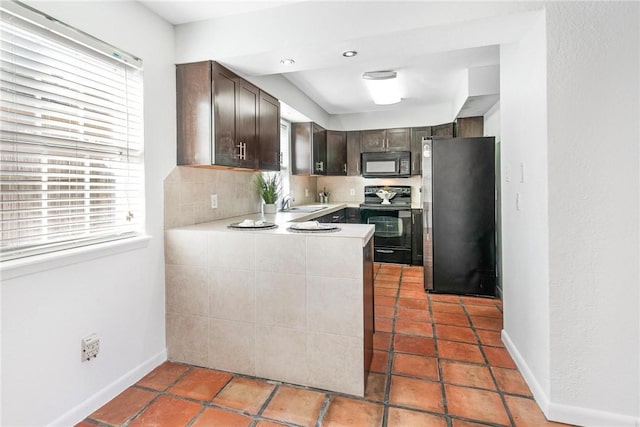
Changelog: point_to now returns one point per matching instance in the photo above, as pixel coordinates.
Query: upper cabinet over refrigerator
(458, 198)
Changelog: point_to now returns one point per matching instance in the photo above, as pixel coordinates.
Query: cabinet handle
(384, 251)
(242, 150)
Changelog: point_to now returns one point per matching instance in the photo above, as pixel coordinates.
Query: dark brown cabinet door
(225, 85)
(193, 107)
(446, 129)
(269, 133)
(469, 127)
(319, 150)
(336, 152)
(247, 125)
(417, 135)
(353, 153)
(218, 119)
(373, 140)
(398, 139)
(301, 148)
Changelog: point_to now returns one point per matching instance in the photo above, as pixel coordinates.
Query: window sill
(38, 263)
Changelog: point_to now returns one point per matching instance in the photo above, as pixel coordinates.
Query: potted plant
(268, 188)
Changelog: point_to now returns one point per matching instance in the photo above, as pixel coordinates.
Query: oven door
(392, 235)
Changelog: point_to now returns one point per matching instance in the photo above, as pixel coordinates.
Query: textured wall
(593, 111)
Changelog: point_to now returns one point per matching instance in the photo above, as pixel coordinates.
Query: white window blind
(71, 137)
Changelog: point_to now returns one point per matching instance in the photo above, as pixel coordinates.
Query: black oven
(392, 221)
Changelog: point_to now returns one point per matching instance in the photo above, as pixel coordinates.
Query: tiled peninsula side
(292, 307)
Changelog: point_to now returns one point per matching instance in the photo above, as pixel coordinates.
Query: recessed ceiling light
(287, 61)
(349, 53)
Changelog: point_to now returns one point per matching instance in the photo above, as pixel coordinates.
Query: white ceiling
(431, 61)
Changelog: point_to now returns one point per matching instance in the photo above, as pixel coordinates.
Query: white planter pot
(269, 208)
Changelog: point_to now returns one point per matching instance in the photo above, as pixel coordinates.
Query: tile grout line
(389, 373)
(323, 409)
(445, 405)
(488, 365)
(155, 398)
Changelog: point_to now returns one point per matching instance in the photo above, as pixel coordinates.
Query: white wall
(120, 297)
(593, 138)
(525, 231)
(569, 112)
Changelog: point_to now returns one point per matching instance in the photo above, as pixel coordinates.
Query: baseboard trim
(88, 406)
(575, 415)
(539, 394)
(590, 417)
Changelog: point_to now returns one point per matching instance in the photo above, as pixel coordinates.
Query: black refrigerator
(459, 202)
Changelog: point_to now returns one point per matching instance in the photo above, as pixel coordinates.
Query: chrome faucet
(286, 202)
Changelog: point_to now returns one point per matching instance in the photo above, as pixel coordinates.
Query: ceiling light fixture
(383, 86)
(287, 61)
(349, 53)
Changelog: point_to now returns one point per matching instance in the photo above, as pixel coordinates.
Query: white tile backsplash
(232, 346)
(273, 362)
(187, 290)
(280, 253)
(232, 294)
(280, 300)
(188, 190)
(339, 187)
(232, 250)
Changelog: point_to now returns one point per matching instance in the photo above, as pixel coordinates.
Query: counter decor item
(314, 227)
(386, 195)
(268, 188)
(324, 196)
(249, 224)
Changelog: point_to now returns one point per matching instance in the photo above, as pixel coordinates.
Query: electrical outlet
(352, 191)
(90, 347)
(214, 201)
(306, 192)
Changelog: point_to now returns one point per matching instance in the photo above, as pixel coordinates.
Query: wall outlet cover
(90, 347)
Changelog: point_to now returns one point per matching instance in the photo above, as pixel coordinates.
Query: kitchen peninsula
(292, 307)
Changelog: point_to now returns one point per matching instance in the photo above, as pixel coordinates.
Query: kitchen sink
(305, 209)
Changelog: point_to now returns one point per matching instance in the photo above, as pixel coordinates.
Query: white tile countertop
(285, 219)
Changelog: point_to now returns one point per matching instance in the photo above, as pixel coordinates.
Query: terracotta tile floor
(438, 361)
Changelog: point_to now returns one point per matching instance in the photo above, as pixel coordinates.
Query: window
(71, 135)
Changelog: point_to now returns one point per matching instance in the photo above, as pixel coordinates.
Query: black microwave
(395, 164)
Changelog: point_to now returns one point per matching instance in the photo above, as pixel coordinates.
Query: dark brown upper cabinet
(336, 152)
(219, 119)
(353, 153)
(469, 127)
(269, 133)
(417, 135)
(445, 129)
(308, 149)
(398, 139)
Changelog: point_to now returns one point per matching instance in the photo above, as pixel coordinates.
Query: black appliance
(390, 164)
(458, 202)
(392, 220)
